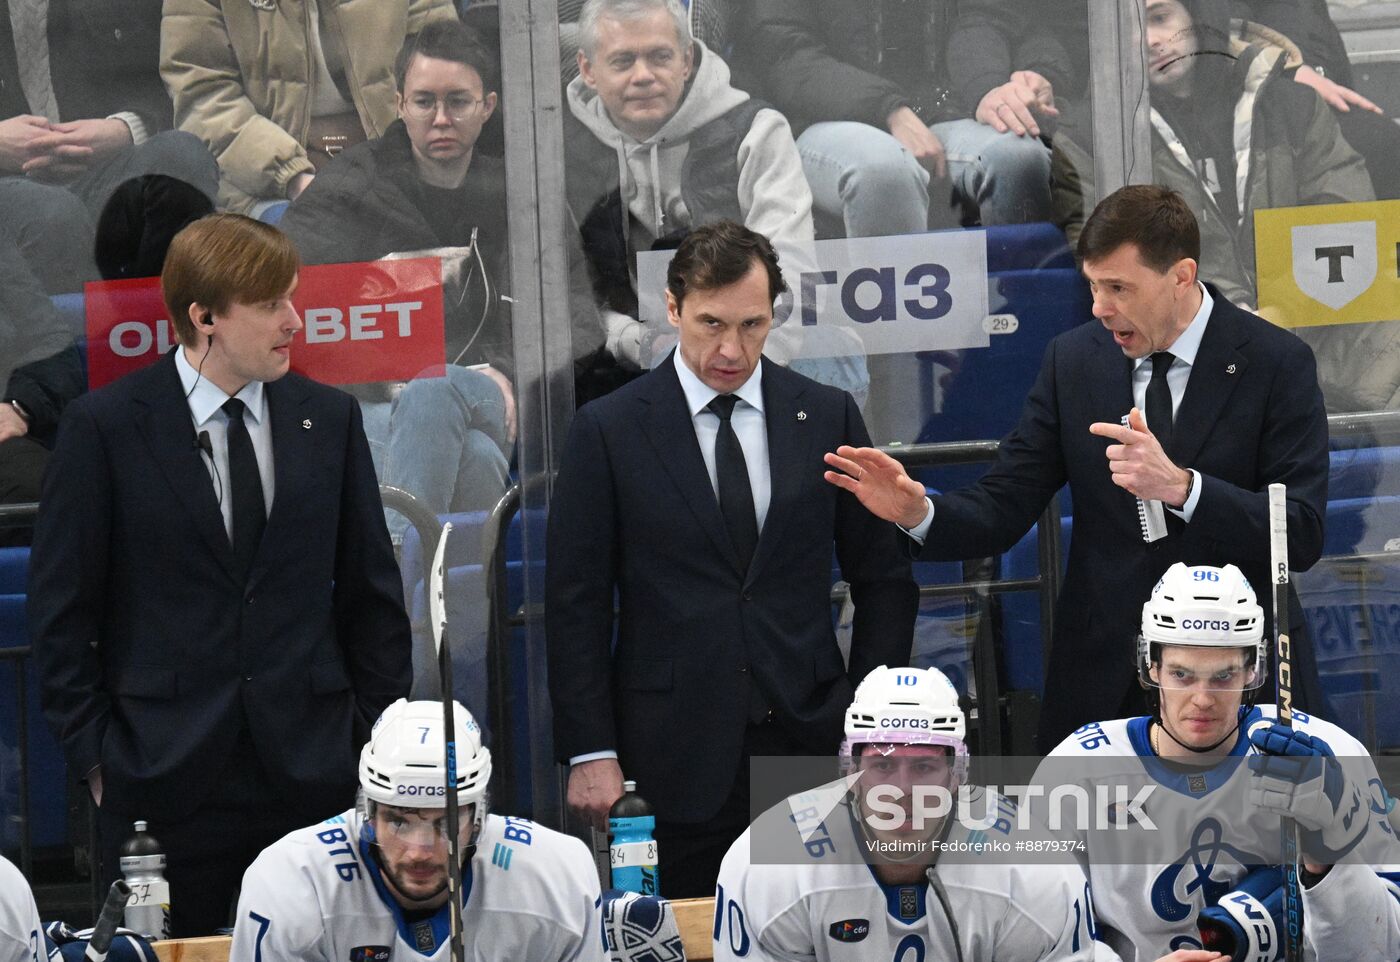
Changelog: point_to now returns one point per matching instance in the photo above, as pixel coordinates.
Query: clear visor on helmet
(1193, 668)
(850, 748)
(903, 799)
(399, 827)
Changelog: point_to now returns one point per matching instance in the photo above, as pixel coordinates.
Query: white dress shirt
(749, 426)
(752, 430)
(1184, 348)
(206, 410)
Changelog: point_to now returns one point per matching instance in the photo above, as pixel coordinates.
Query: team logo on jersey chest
(849, 930)
(908, 903)
(369, 953)
(423, 936)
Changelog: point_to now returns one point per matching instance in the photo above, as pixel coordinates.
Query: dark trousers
(691, 852)
(22, 463)
(208, 851)
(52, 224)
(1377, 140)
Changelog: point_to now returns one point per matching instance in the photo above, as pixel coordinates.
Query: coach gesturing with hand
(1231, 405)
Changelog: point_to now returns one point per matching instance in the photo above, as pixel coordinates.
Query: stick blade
(437, 581)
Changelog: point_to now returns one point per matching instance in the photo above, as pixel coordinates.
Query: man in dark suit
(695, 494)
(216, 611)
(1231, 405)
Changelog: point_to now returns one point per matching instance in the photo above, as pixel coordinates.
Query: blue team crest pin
(849, 930)
(1230, 369)
(369, 953)
(801, 415)
(306, 425)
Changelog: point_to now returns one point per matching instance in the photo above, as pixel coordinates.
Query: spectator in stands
(83, 110)
(422, 187)
(1210, 94)
(874, 126)
(275, 90)
(40, 371)
(658, 142)
(140, 220)
(692, 494)
(208, 664)
(1024, 65)
(1232, 405)
(712, 22)
(1326, 69)
(39, 358)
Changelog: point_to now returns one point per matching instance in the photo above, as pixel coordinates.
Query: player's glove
(1297, 775)
(1247, 924)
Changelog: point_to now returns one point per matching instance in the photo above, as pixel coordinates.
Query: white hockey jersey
(21, 932)
(317, 894)
(1146, 911)
(830, 905)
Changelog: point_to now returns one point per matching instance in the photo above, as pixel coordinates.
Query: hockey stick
(1278, 563)
(100, 942)
(437, 612)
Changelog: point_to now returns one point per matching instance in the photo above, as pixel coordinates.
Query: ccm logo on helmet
(1204, 624)
(420, 790)
(903, 722)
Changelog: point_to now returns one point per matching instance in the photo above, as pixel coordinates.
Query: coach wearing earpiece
(214, 604)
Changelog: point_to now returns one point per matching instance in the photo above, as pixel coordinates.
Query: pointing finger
(1117, 432)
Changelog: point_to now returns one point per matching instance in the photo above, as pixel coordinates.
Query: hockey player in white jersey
(21, 932)
(1221, 772)
(904, 729)
(371, 884)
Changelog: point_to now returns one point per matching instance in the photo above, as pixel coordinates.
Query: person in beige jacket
(251, 77)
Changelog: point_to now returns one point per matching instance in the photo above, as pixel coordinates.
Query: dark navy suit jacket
(634, 515)
(1252, 414)
(154, 652)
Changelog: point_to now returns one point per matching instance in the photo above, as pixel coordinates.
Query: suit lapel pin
(801, 415)
(1230, 369)
(306, 425)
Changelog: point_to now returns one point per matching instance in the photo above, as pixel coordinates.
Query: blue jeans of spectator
(447, 444)
(865, 177)
(52, 224)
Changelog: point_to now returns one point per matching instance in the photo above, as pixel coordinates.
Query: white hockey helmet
(906, 706)
(1203, 606)
(403, 763)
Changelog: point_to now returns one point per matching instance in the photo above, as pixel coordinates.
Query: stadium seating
(47, 776)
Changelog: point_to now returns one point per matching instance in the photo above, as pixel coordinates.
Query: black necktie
(735, 494)
(245, 484)
(1159, 399)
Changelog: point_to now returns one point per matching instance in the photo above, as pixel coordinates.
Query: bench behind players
(1201, 657)
(842, 899)
(372, 883)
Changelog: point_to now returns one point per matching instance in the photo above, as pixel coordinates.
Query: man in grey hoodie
(658, 142)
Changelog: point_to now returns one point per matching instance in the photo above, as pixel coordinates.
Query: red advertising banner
(371, 321)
